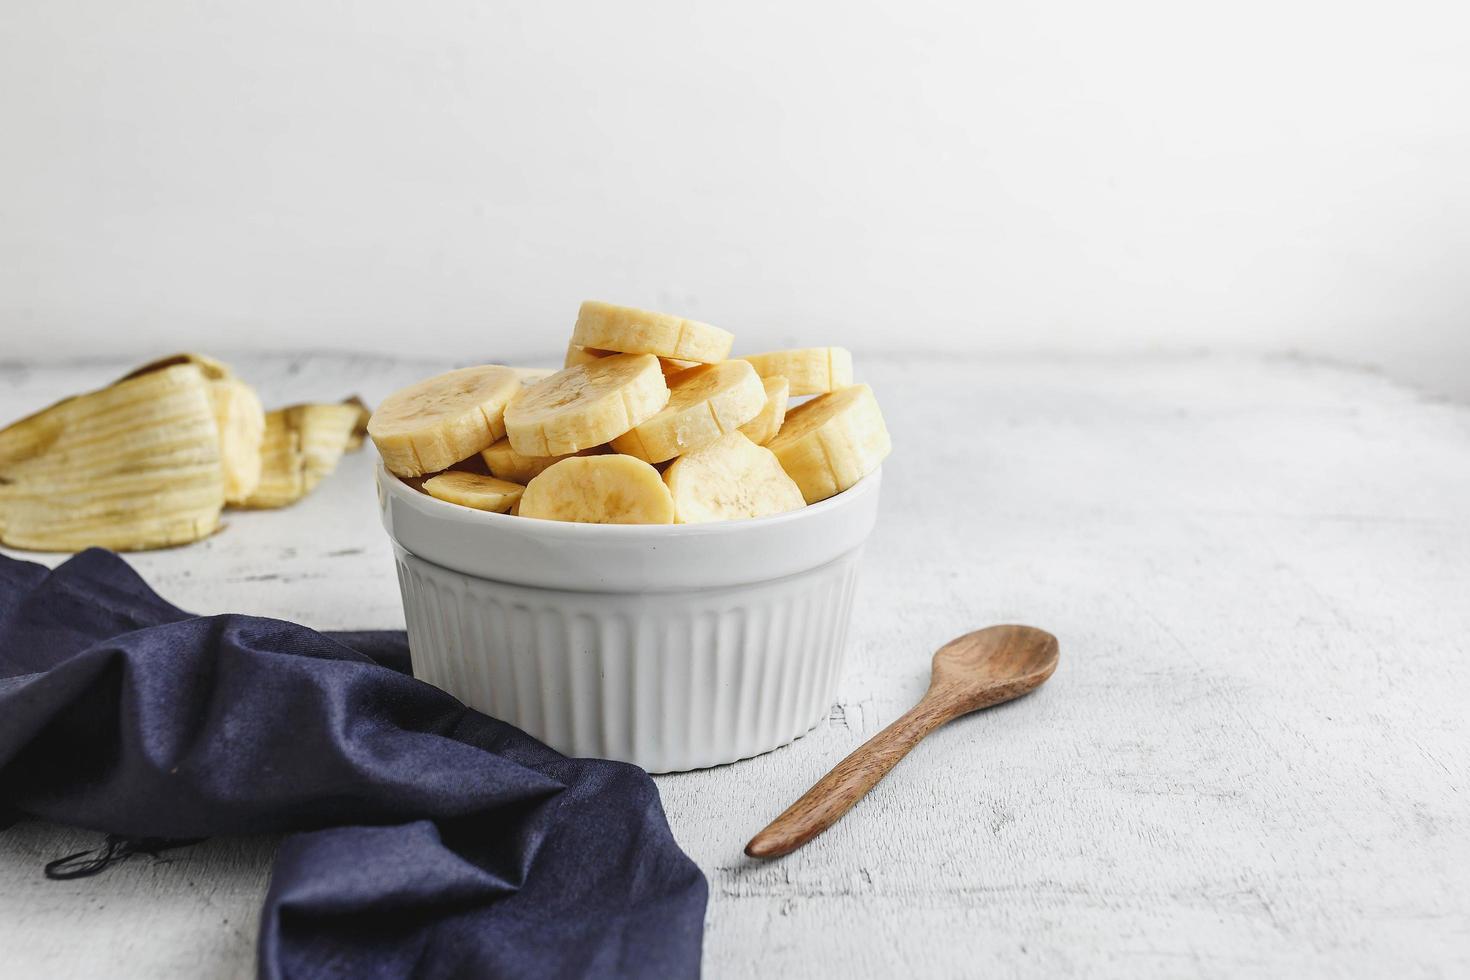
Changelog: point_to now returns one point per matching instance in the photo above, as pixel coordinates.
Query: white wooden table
(1254, 759)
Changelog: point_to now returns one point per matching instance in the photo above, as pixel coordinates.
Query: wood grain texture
(981, 669)
(1252, 764)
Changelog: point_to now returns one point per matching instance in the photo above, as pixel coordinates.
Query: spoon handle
(836, 793)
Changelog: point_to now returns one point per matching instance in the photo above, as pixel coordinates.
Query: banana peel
(152, 460)
(302, 445)
(132, 466)
(272, 459)
(238, 416)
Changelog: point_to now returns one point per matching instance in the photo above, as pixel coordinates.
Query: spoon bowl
(995, 664)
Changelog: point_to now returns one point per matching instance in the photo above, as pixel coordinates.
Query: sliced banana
(599, 490)
(705, 402)
(672, 366)
(728, 480)
(586, 355)
(507, 464)
(811, 370)
(585, 405)
(529, 376)
(302, 445)
(430, 425)
(832, 441)
(583, 355)
(605, 326)
(132, 466)
(764, 426)
(474, 490)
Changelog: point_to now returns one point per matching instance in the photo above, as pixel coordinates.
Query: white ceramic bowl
(669, 646)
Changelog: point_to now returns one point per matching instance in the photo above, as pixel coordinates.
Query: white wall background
(455, 176)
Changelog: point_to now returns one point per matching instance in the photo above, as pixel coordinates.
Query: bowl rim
(433, 507)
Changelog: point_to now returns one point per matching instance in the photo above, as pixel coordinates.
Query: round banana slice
(764, 426)
(507, 464)
(672, 366)
(729, 480)
(586, 405)
(583, 355)
(586, 355)
(430, 425)
(811, 370)
(705, 402)
(474, 490)
(832, 441)
(529, 376)
(599, 490)
(623, 328)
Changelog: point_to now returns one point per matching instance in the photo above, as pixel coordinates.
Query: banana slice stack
(650, 421)
(152, 460)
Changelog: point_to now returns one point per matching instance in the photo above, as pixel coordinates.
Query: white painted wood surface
(1254, 759)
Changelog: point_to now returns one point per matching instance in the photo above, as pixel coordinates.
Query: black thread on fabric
(115, 849)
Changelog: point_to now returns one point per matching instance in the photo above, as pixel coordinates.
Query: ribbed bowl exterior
(668, 680)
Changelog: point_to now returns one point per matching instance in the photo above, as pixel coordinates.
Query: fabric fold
(426, 838)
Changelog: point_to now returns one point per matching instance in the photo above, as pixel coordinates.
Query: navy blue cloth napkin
(426, 839)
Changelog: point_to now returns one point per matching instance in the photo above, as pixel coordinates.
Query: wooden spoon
(977, 670)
